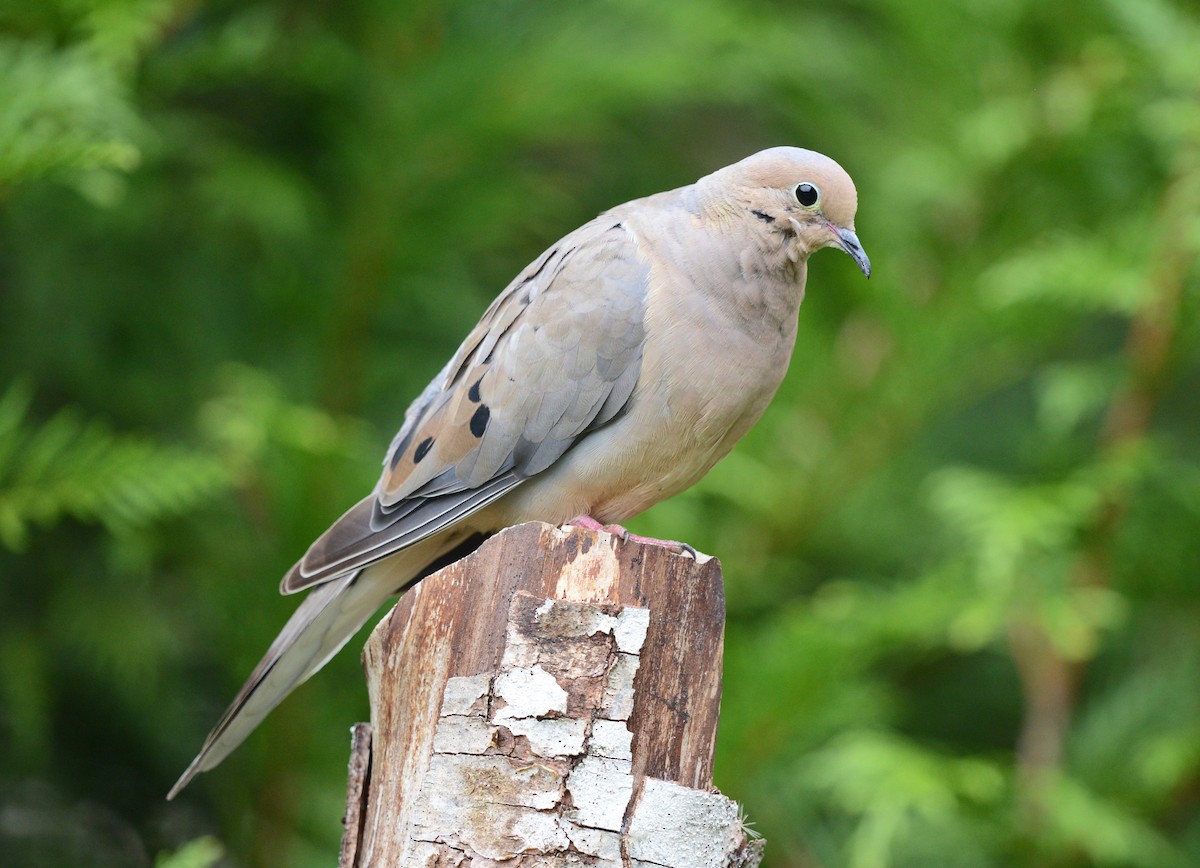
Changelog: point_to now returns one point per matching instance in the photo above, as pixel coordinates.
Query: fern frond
(71, 467)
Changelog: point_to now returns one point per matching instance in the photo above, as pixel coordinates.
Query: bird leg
(588, 523)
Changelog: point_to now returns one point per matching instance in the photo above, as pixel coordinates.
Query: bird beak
(849, 242)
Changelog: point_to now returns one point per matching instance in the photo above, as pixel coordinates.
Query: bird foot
(586, 522)
(589, 523)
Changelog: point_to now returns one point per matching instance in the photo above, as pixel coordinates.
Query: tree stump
(550, 700)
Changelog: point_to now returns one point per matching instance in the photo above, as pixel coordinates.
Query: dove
(614, 371)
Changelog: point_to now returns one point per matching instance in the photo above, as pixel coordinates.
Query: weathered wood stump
(550, 700)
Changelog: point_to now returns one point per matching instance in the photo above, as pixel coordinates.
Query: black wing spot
(473, 392)
(615, 226)
(479, 421)
(422, 449)
(767, 218)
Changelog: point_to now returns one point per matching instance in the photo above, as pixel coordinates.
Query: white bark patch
(595, 842)
(674, 826)
(618, 693)
(611, 739)
(530, 692)
(427, 854)
(488, 805)
(465, 779)
(555, 737)
(466, 694)
(601, 789)
(460, 734)
(504, 832)
(519, 652)
(564, 619)
(630, 629)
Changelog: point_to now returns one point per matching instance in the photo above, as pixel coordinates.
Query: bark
(550, 700)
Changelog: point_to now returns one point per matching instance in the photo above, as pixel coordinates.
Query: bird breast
(709, 370)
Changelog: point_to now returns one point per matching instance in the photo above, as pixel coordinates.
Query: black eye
(807, 195)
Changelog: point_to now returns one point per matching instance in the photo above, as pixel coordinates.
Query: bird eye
(808, 195)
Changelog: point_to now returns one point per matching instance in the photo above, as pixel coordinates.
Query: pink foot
(589, 523)
(586, 522)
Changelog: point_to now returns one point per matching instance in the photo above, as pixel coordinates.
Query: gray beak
(850, 243)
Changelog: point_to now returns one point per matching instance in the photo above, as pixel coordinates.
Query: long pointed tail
(329, 616)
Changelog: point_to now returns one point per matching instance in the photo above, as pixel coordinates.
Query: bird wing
(554, 357)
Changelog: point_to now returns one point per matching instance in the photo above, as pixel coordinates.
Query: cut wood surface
(550, 700)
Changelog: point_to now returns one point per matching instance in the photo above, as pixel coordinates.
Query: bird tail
(329, 616)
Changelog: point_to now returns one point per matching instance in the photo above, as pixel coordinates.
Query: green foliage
(1092, 275)
(66, 110)
(896, 790)
(1104, 832)
(236, 238)
(201, 853)
(68, 467)
(62, 113)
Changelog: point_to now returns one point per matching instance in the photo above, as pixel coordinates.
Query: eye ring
(808, 195)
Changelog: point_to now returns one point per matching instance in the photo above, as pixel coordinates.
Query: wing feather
(555, 356)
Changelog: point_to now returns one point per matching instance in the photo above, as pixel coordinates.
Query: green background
(961, 549)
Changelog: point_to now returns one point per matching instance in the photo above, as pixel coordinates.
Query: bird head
(797, 199)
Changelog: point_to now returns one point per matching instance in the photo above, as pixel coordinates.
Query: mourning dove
(612, 373)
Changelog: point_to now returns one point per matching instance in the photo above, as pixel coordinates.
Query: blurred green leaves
(249, 416)
(63, 114)
(201, 853)
(896, 790)
(66, 103)
(1106, 833)
(65, 466)
(1092, 275)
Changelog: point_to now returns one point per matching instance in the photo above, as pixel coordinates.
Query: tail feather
(329, 616)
